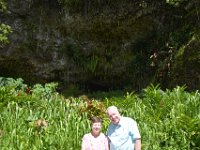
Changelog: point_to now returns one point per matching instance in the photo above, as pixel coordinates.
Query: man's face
(96, 127)
(114, 116)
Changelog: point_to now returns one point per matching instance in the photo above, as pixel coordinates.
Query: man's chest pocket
(121, 133)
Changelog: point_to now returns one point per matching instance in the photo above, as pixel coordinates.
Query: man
(122, 132)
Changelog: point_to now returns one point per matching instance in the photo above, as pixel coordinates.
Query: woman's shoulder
(103, 135)
(89, 136)
(86, 136)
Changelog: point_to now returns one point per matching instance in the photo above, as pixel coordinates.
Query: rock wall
(99, 47)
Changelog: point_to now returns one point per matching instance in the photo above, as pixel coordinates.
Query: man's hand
(138, 144)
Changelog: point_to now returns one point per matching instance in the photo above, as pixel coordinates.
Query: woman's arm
(106, 141)
(84, 142)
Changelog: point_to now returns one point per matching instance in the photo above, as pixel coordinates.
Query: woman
(95, 140)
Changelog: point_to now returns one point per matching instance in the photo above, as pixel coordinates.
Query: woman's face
(96, 127)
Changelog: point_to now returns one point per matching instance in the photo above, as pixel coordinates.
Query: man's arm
(138, 144)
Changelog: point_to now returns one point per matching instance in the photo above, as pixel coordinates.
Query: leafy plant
(45, 91)
(44, 119)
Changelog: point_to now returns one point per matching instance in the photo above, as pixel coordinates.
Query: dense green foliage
(40, 118)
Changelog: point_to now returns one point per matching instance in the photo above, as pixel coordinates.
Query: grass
(44, 119)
